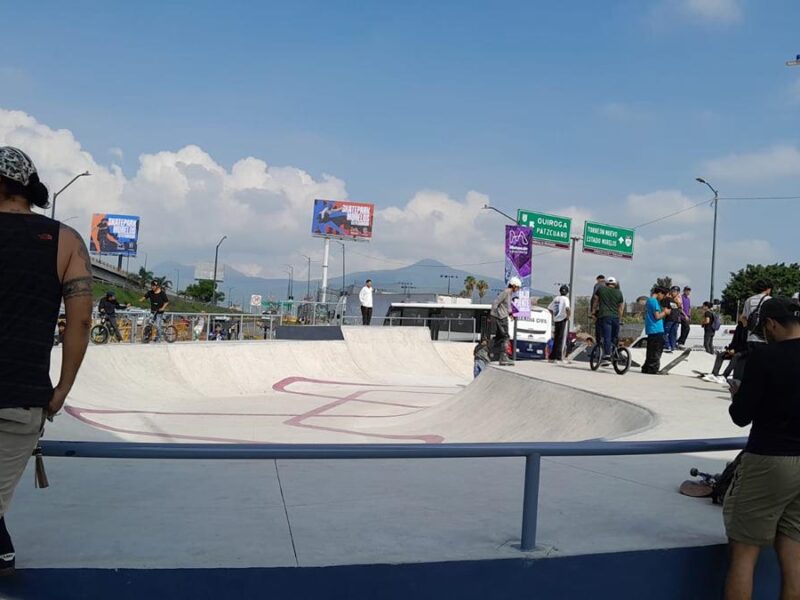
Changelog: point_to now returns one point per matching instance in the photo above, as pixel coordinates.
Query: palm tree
(469, 286)
(144, 276)
(482, 288)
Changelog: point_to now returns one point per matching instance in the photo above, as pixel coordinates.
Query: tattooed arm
(76, 276)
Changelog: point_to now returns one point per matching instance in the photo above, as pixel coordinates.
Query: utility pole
(407, 286)
(575, 240)
(216, 259)
(290, 286)
(449, 278)
(325, 256)
(308, 286)
(715, 202)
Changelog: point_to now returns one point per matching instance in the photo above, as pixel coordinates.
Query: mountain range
(421, 278)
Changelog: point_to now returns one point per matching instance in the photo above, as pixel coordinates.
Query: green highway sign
(548, 230)
(608, 240)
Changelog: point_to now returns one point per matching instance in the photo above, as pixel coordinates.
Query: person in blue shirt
(654, 328)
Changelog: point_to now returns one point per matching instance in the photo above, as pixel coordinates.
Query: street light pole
(714, 236)
(289, 290)
(575, 239)
(449, 278)
(216, 259)
(497, 210)
(55, 196)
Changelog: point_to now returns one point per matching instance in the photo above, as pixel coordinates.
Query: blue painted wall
(677, 574)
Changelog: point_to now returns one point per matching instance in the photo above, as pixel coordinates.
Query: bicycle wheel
(147, 334)
(621, 361)
(99, 334)
(595, 357)
(170, 333)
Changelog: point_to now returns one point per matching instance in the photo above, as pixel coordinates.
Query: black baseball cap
(780, 308)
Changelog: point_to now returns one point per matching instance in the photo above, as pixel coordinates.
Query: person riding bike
(159, 301)
(107, 307)
(608, 304)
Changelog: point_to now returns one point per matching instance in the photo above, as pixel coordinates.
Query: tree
(482, 287)
(203, 291)
(665, 281)
(469, 286)
(544, 301)
(785, 279)
(163, 282)
(144, 276)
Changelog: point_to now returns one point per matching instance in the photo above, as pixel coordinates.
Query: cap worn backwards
(16, 165)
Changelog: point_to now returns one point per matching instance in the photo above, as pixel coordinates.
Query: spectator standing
(762, 505)
(654, 328)
(561, 311)
(710, 326)
(481, 356)
(673, 321)
(609, 305)
(686, 316)
(498, 320)
(751, 312)
(365, 298)
(43, 262)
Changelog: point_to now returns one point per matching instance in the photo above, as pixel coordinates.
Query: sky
(210, 119)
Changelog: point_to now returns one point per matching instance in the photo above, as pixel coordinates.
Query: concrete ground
(162, 514)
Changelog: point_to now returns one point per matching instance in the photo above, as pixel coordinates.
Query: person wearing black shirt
(708, 328)
(762, 505)
(734, 353)
(159, 301)
(108, 308)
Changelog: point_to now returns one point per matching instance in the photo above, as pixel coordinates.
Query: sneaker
(7, 564)
(667, 351)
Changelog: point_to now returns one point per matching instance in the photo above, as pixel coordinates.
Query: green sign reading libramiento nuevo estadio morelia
(547, 230)
(608, 240)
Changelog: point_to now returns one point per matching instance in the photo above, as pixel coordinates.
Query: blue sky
(536, 105)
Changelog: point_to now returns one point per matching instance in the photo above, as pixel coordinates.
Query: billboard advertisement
(342, 219)
(519, 263)
(114, 234)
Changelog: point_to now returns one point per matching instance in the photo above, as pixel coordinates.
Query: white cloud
(766, 165)
(116, 153)
(643, 208)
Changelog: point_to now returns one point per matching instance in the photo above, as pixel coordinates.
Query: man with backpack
(711, 324)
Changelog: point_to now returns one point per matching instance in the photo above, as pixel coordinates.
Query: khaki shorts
(19, 433)
(764, 500)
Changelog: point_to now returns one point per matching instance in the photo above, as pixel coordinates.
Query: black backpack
(754, 320)
(725, 479)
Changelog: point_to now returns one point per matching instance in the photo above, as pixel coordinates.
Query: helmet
(563, 290)
(611, 280)
(109, 293)
(514, 282)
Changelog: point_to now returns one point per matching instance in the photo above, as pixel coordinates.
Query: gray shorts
(19, 433)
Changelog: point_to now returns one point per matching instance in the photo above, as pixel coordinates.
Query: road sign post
(608, 240)
(547, 230)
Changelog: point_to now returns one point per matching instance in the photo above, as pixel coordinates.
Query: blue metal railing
(532, 451)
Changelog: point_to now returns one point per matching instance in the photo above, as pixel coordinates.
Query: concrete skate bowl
(377, 385)
(502, 406)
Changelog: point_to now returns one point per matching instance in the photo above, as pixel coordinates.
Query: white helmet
(514, 282)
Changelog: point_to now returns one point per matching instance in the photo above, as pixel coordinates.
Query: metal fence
(532, 452)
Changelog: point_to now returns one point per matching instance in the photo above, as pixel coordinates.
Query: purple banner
(519, 254)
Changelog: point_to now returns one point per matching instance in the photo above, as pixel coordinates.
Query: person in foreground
(762, 505)
(46, 260)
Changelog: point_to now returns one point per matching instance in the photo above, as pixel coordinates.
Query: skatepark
(401, 527)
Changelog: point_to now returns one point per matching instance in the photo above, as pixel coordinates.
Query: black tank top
(30, 297)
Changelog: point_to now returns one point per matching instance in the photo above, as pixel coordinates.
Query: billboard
(342, 219)
(204, 271)
(114, 234)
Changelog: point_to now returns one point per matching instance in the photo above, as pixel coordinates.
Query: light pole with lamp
(216, 259)
(55, 196)
(308, 286)
(497, 210)
(714, 236)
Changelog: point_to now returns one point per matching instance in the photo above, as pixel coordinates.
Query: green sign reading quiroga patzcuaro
(548, 230)
(608, 240)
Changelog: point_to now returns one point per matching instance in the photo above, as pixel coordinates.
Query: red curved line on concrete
(110, 411)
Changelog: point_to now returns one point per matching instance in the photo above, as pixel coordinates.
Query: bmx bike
(620, 358)
(149, 332)
(102, 332)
